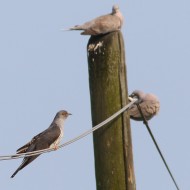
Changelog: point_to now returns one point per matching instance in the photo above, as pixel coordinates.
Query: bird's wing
(41, 141)
(50, 135)
(24, 148)
(150, 108)
(102, 25)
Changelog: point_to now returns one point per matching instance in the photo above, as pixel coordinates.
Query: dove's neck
(120, 16)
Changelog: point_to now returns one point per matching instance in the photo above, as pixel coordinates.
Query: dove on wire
(49, 138)
(103, 24)
(149, 104)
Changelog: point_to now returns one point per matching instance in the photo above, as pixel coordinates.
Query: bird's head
(136, 94)
(115, 9)
(62, 114)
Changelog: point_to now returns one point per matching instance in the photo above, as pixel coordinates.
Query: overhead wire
(157, 147)
(33, 153)
(125, 108)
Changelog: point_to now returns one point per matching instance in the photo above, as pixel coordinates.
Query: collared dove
(103, 24)
(149, 104)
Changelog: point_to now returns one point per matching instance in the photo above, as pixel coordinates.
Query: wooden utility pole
(108, 90)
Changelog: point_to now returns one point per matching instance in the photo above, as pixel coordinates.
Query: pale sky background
(44, 70)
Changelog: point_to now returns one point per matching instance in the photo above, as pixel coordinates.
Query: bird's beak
(69, 114)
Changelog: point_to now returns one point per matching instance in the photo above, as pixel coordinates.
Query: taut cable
(156, 144)
(33, 153)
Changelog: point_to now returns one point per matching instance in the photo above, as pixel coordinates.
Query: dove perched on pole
(50, 138)
(102, 24)
(149, 104)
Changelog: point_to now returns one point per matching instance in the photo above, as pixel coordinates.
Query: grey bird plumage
(47, 139)
(149, 104)
(102, 24)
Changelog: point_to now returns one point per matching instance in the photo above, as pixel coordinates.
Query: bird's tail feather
(63, 29)
(77, 27)
(25, 162)
(15, 172)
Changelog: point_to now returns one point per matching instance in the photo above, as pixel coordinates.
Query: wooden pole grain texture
(108, 90)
